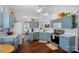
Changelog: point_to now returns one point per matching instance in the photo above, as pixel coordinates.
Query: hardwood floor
(36, 47)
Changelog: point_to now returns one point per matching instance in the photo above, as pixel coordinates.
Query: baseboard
(36, 40)
(75, 52)
(42, 41)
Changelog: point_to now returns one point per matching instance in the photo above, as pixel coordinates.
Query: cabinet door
(55, 21)
(5, 20)
(45, 36)
(30, 24)
(64, 43)
(72, 44)
(52, 22)
(0, 20)
(36, 35)
(31, 36)
(34, 24)
(11, 21)
(16, 42)
(67, 22)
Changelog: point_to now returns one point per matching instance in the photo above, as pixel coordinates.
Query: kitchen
(54, 25)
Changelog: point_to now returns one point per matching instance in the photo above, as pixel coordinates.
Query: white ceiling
(27, 10)
(30, 10)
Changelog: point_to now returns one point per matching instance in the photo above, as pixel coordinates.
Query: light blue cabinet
(7, 40)
(67, 43)
(16, 42)
(31, 36)
(55, 21)
(0, 20)
(33, 24)
(11, 40)
(67, 22)
(5, 21)
(11, 21)
(45, 36)
(41, 36)
(36, 35)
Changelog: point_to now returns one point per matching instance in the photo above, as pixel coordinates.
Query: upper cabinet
(0, 20)
(66, 22)
(11, 21)
(55, 21)
(33, 24)
(7, 17)
(6, 20)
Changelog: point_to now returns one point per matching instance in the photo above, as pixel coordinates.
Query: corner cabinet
(67, 42)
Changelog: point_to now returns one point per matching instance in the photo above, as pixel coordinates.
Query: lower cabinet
(33, 35)
(14, 41)
(40, 35)
(7, 40)
(45, 36)
(36, 35)
(67, 42)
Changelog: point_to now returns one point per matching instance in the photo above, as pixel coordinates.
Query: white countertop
(42, 31)
(45, 31)
(66, 35)
(7, 36)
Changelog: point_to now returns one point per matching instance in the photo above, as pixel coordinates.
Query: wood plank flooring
(36, 47)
